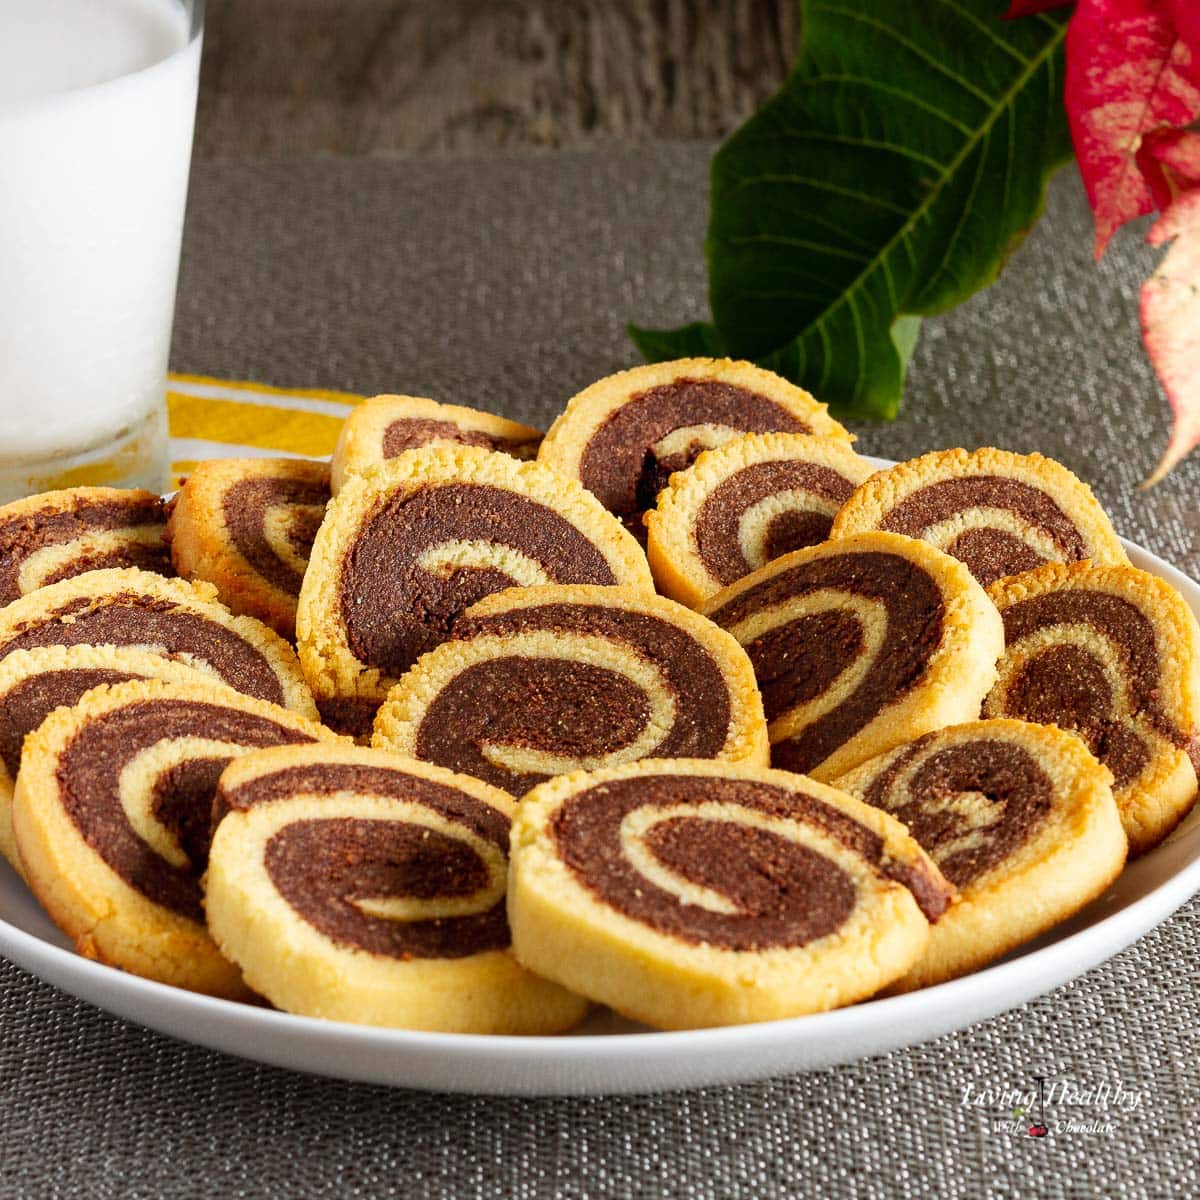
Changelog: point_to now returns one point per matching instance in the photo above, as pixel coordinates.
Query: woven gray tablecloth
(506, 284)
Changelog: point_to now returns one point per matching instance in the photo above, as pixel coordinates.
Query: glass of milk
(97, 104)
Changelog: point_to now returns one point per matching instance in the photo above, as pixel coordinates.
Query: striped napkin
(224, 418)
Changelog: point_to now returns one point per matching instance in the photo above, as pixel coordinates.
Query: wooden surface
(385, 77)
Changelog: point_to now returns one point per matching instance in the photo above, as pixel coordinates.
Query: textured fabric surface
(506, 284)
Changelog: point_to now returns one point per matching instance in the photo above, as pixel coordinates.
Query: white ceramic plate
(610, 1055)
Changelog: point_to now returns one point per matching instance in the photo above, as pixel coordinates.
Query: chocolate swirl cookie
(1112, 653)
(33, 683)
(55, 535)
(687, 893)
(407, 547)
(624, 436)
(246, 525)
(861, 644)
(738, 507)
(1020, 818)
(112, 819)
(170, 617)
(540, 681)
(360, 886)
(386, 426)
(1000, 513)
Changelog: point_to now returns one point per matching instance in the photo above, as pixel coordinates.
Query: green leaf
(905, 331)
(890, 178)
(698, 340)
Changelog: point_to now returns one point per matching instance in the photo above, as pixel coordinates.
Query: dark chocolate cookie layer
(570, 708)
(411, 433)
(1001, 777)
(245, 507)
(990, 553)
(89, 780)
(620, 464)
(70, 521)
(394, 609)
(1000, 513)
(1065, 685)
(781, 893)
(133, 619)
(324, 867)
(717, 522)
(798, 659)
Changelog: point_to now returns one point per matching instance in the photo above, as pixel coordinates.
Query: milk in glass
(97, 101)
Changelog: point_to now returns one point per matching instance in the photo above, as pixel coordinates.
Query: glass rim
(193, 9)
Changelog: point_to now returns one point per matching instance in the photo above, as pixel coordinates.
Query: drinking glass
(97, 106)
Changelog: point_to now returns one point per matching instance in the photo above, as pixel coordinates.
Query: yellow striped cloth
(225, 418)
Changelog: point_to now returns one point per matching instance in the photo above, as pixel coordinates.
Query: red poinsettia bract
(1171, 324)
(1026, 8)
(1132, 96)
(1129, 72)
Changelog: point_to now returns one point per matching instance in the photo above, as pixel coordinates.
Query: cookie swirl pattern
(1000, 513)
(33, 683)
(623, 436)
(247, 526)
(1008, 811)
(170, 617)
(688, 893)
(744, 504)
(357, 885)
(859, 644)
(384, 427)
(540, 681)
(1112, 653)
(112, 819)
(405, 549)
(53, 536)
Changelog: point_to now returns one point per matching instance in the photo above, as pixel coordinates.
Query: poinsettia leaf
(905, 331)
(1169, 160)
(1028, 8)
(1129, 71)
(1185, 16)
(904, 157)
(698, 340)
(1170, 310)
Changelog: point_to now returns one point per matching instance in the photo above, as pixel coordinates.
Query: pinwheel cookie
(1020, 818)
(687, 893)
(861, 644)
(409, 546)
(246, 525)
(360, 886)
(747, 502)
(55, 535)
(386, 426)
(112, 819)
(541, 681)
(170, 617)
(1000, 513)
(33, 683)
(624, 436)
(1112, 653)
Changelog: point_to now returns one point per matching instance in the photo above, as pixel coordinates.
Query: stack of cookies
(681, 708)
